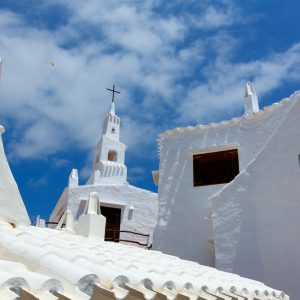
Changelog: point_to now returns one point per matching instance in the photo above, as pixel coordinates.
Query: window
(112, 155)
(113, 130)
(215, 167)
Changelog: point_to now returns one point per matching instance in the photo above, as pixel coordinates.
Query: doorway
(113, 220)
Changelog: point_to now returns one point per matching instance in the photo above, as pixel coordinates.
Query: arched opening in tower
(112, 155)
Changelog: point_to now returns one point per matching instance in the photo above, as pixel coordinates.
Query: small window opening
(113, 130)
(112, 155)
(216, 167)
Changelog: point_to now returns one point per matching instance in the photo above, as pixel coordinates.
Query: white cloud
(56, 107)
(33, 182)
(136, 173)
(222, 91)
(60, 162)
(153, 58)
(213, 17)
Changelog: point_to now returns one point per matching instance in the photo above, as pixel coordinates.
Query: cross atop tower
(113, 93)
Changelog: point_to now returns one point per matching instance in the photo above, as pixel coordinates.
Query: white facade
(264, 201)
(138, 207)
(249, 225)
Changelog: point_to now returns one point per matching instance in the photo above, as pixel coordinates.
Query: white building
(229, 193)
(68, 264)
(126, 208)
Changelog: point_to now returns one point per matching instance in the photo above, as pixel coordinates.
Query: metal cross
(113, 93)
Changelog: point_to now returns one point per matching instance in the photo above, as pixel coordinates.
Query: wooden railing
(54, 223)
(116, 236)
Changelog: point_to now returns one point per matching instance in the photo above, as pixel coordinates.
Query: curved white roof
(48, 264)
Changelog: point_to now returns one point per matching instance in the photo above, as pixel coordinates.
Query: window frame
(211, 150)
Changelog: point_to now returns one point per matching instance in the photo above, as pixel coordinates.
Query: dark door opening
(113, 220)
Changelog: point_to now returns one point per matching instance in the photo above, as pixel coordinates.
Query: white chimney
(91, 223)
(73, 178)
(250, 99)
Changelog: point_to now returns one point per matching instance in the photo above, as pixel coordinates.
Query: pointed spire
(114, 91)
(112, 108)
(250, 99)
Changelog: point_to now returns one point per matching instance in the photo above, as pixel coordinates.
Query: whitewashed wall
(142, 218)
(12, 208)
(256, 219)
(184, 223)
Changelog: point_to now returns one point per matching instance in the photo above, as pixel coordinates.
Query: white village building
(126, 208)
(75, 263)
(229, 193)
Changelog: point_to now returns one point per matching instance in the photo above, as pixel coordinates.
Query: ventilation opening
(112, 155)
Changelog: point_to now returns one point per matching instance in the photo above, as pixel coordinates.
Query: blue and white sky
(176, 63)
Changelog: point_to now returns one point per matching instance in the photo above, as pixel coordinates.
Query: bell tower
(109, 160)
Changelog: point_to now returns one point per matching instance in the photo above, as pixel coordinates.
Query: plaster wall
(256, 217)
(12, 208)
(108, 144)
(184, 222)
(141, 218)
(111, 126)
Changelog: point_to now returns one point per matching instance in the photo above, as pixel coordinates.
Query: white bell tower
(109, 167)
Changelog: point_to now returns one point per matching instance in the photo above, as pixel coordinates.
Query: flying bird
(49, 62)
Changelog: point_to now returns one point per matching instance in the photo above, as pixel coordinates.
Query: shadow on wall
(183, 228)
(168, 202)
(80, 208)
(130, 214)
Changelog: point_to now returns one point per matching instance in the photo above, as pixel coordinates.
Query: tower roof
(114, 91)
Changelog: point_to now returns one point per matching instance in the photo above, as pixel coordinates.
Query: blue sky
(176, 63)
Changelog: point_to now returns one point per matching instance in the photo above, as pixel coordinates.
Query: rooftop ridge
(268, 108)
